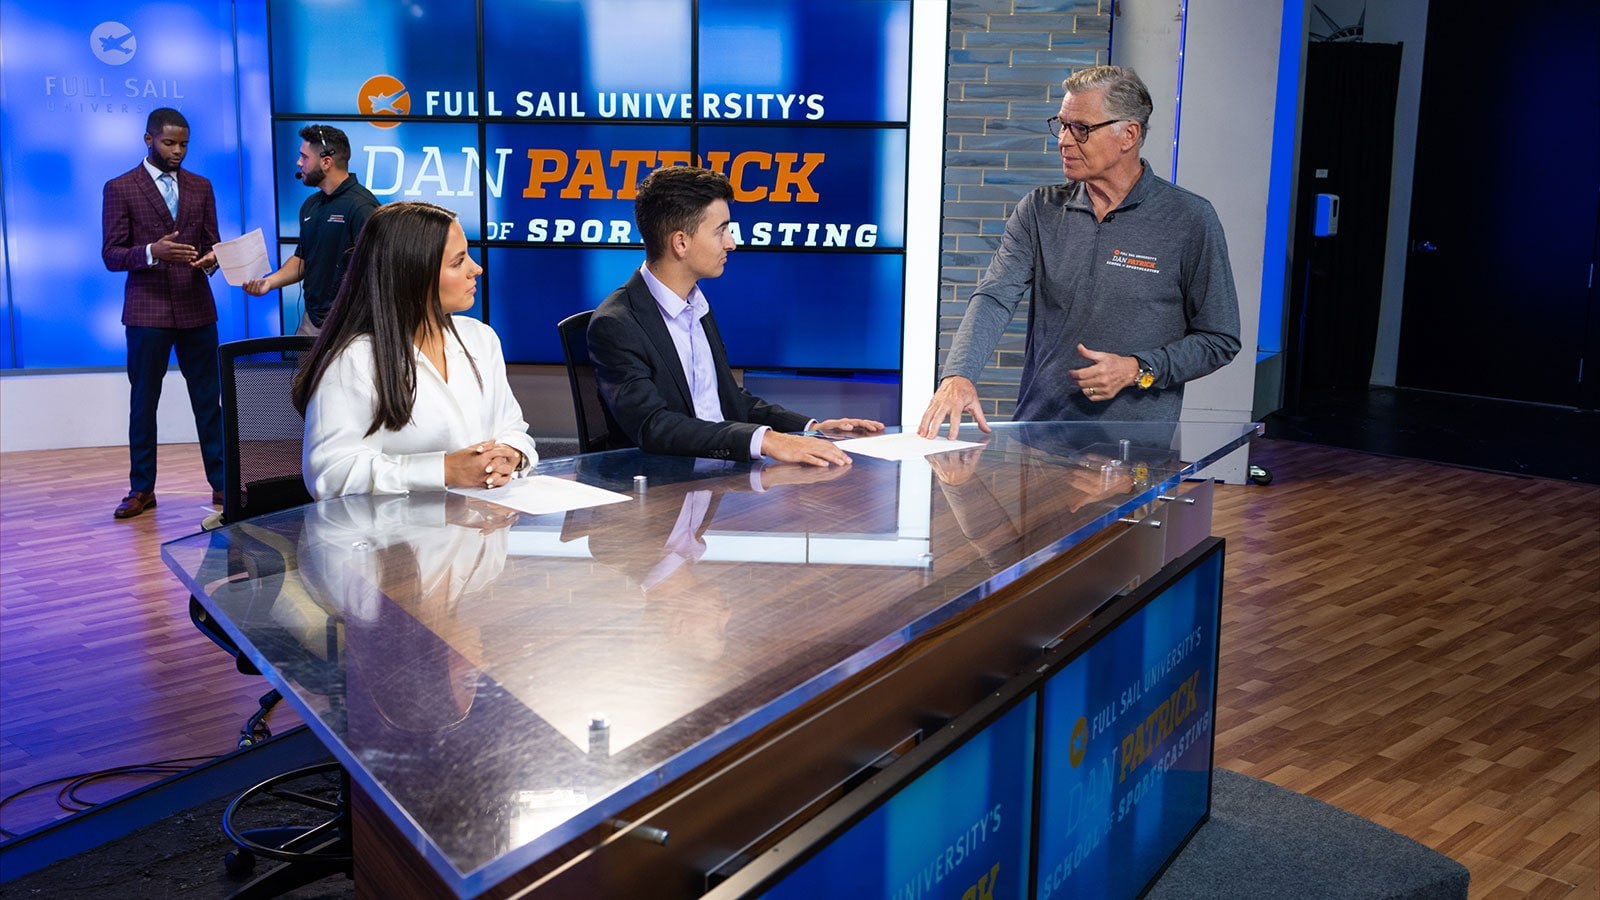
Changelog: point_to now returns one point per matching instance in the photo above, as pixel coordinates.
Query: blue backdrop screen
(334, 58)
(79, 81)
(540, 142)
(599, 51)
(834, 61)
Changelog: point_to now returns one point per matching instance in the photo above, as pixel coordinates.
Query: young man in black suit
(657, 353)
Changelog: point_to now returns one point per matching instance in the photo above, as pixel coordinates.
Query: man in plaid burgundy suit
(159, 225)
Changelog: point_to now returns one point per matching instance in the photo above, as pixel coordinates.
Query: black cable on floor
(67, 796)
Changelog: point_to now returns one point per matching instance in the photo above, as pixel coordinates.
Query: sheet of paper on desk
(541, 494)
(901, 446)
(243, 258)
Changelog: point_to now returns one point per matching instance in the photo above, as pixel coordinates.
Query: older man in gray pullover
(1132, 294)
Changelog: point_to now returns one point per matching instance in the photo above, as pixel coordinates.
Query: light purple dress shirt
(694, 351)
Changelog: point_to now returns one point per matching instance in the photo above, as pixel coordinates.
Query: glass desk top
(502, 684)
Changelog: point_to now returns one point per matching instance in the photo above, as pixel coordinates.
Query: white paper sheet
(541, 494)
(901, 446)
(243, 258)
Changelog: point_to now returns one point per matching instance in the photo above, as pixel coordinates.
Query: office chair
(261, 462)
(262, 448)
(593, 432)
(262, 435)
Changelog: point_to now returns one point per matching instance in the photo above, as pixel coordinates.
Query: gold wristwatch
(1145, 379)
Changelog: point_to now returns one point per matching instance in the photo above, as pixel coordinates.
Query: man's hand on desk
(778, 476)
(957, 467)
(853, 426)
(807, 450)
(1094, 485)
(956, 395)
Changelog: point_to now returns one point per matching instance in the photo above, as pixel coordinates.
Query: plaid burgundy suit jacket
(133, 214)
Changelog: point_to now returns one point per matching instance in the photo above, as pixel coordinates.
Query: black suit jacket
(646, 394)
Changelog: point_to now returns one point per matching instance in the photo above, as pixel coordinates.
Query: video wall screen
(534, 120)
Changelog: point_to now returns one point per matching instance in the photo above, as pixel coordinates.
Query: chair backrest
(262, 432)
(593, 433)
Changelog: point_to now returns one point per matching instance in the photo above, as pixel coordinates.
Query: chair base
(303, 852)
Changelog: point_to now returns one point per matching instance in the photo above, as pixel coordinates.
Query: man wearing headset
(330, 220)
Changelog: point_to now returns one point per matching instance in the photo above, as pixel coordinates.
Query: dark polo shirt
(329, 224)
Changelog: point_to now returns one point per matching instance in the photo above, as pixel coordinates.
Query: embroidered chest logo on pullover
(1122, 259)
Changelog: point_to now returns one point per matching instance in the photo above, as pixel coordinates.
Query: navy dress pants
(148, 352)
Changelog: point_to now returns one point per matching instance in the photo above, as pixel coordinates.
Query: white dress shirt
(340, 458)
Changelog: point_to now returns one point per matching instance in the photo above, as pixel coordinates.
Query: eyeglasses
(1080, 131)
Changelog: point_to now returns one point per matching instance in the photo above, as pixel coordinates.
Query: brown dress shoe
(135, 503)
(216, 499)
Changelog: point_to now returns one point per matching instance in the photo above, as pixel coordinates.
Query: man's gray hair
(1125, 94)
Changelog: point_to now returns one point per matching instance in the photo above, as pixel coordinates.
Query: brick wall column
(1007, 59)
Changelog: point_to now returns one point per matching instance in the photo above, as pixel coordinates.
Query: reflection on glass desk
(502, 686)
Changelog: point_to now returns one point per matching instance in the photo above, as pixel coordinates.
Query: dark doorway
(1346, 150)
(1499, 298)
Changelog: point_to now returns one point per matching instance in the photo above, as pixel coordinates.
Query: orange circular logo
(383, 95)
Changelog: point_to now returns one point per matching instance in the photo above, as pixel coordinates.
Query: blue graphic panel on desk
(1126, 759)
(961, 829)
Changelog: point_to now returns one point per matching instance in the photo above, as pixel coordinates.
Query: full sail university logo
(113, 43)
(383, 95)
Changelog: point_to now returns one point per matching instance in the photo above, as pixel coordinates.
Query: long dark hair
(390, 291)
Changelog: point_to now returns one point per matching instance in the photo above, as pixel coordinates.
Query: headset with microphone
(322, 141)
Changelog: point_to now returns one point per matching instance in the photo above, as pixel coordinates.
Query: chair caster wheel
(239, 863)
(1260, 475)
(254, 736)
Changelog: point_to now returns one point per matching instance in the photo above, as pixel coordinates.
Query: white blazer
(340, 458)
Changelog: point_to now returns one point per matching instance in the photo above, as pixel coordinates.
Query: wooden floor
(1417, 644)
(99, 663)
(1420, 645)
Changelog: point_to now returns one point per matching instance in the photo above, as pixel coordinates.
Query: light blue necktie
(169, 192)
